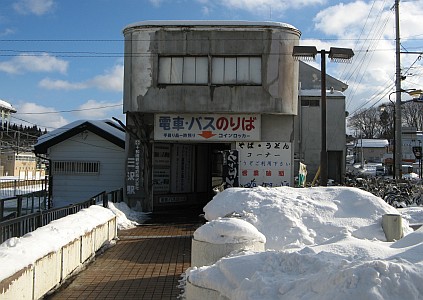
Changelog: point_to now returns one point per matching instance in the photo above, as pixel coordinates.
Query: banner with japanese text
(134, 170)
(264, 163)
(230, 169)
(207, 127)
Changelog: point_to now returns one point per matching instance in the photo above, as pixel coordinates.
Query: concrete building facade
(308, 124)
(206, 99)
(23, 165)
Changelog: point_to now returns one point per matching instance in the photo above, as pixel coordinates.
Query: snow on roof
(219, 23)
(372, 143)
(317, 93)
(7, 106)
(102, 124)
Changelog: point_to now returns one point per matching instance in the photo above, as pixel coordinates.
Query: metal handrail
(22, 225)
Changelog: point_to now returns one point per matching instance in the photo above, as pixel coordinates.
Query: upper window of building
(236, 70)
(239, 70)
(183, 70)
(310, 102)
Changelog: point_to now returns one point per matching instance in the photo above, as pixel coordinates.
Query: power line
(67, 111)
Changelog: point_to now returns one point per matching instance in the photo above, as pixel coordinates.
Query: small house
(85, 158)
(370, 150)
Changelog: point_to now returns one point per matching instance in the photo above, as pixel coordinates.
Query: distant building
(6, 109)
(308, 123)
(86, 157)
(411, 137)
(370, 150)
(21, 165)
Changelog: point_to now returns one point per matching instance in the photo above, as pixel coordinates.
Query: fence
(20, 205)
(17, 227)
(13, 187)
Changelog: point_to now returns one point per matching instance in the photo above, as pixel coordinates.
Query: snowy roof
(317, 93)
(210, 23)
(7, 106)
(107, 129)
(372, 143)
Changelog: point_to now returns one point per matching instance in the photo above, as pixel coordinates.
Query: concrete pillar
(392, 226)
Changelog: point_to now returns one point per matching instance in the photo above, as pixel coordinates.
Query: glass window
(232, 70)
(236, 70)
(183, 70)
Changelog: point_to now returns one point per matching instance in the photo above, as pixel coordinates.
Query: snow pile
(329, 245)
(126, 217)
(292, 218)
(18, 253)
(227, 231)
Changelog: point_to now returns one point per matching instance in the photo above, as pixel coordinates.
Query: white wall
(88, 147)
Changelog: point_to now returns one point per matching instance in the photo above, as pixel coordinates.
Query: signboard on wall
(207, 127)
(230, 172)
(161, 168)
(181, 170)
(264, 163)
(134, 174)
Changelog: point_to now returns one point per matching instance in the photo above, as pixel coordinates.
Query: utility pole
(398, 123)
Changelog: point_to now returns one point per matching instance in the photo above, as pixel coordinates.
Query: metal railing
(13, 187)
(23, 204)
(21, 225)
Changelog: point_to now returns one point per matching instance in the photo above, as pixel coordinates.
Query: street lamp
(336, 55)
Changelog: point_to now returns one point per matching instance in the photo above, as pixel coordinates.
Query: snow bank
(330, 245)
(24, 251)
(292, 218)
(126, 217)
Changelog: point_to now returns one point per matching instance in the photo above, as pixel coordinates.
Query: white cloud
(344, 20)
(205, 11)
(7, 31)
(369, 29)
(264, 6)
(29, 62)
(112, 80)
(155, 2)
(37, 114)
(93, 109)
(35, 7)
(50, 84)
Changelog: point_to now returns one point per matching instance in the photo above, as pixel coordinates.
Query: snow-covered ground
(322, 243)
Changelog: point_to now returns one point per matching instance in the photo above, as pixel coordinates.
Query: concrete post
(392, 226)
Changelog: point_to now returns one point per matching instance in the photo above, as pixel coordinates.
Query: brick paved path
(146, 263)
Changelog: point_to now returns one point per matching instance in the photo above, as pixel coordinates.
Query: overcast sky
(63, 60)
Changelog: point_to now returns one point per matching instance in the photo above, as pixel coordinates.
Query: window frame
(173, 79)
(237, 81)
(234, 73)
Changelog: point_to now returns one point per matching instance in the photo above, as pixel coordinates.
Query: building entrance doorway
(186, 174)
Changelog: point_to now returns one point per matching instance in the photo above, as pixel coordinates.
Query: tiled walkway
(146, 263)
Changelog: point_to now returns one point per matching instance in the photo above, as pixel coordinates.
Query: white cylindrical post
(392, 226)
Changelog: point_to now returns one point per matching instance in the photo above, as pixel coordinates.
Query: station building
(206, 99)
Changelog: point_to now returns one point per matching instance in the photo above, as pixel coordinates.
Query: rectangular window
(236, 70)
(183, 70)
(76, 167)
(310, 102)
